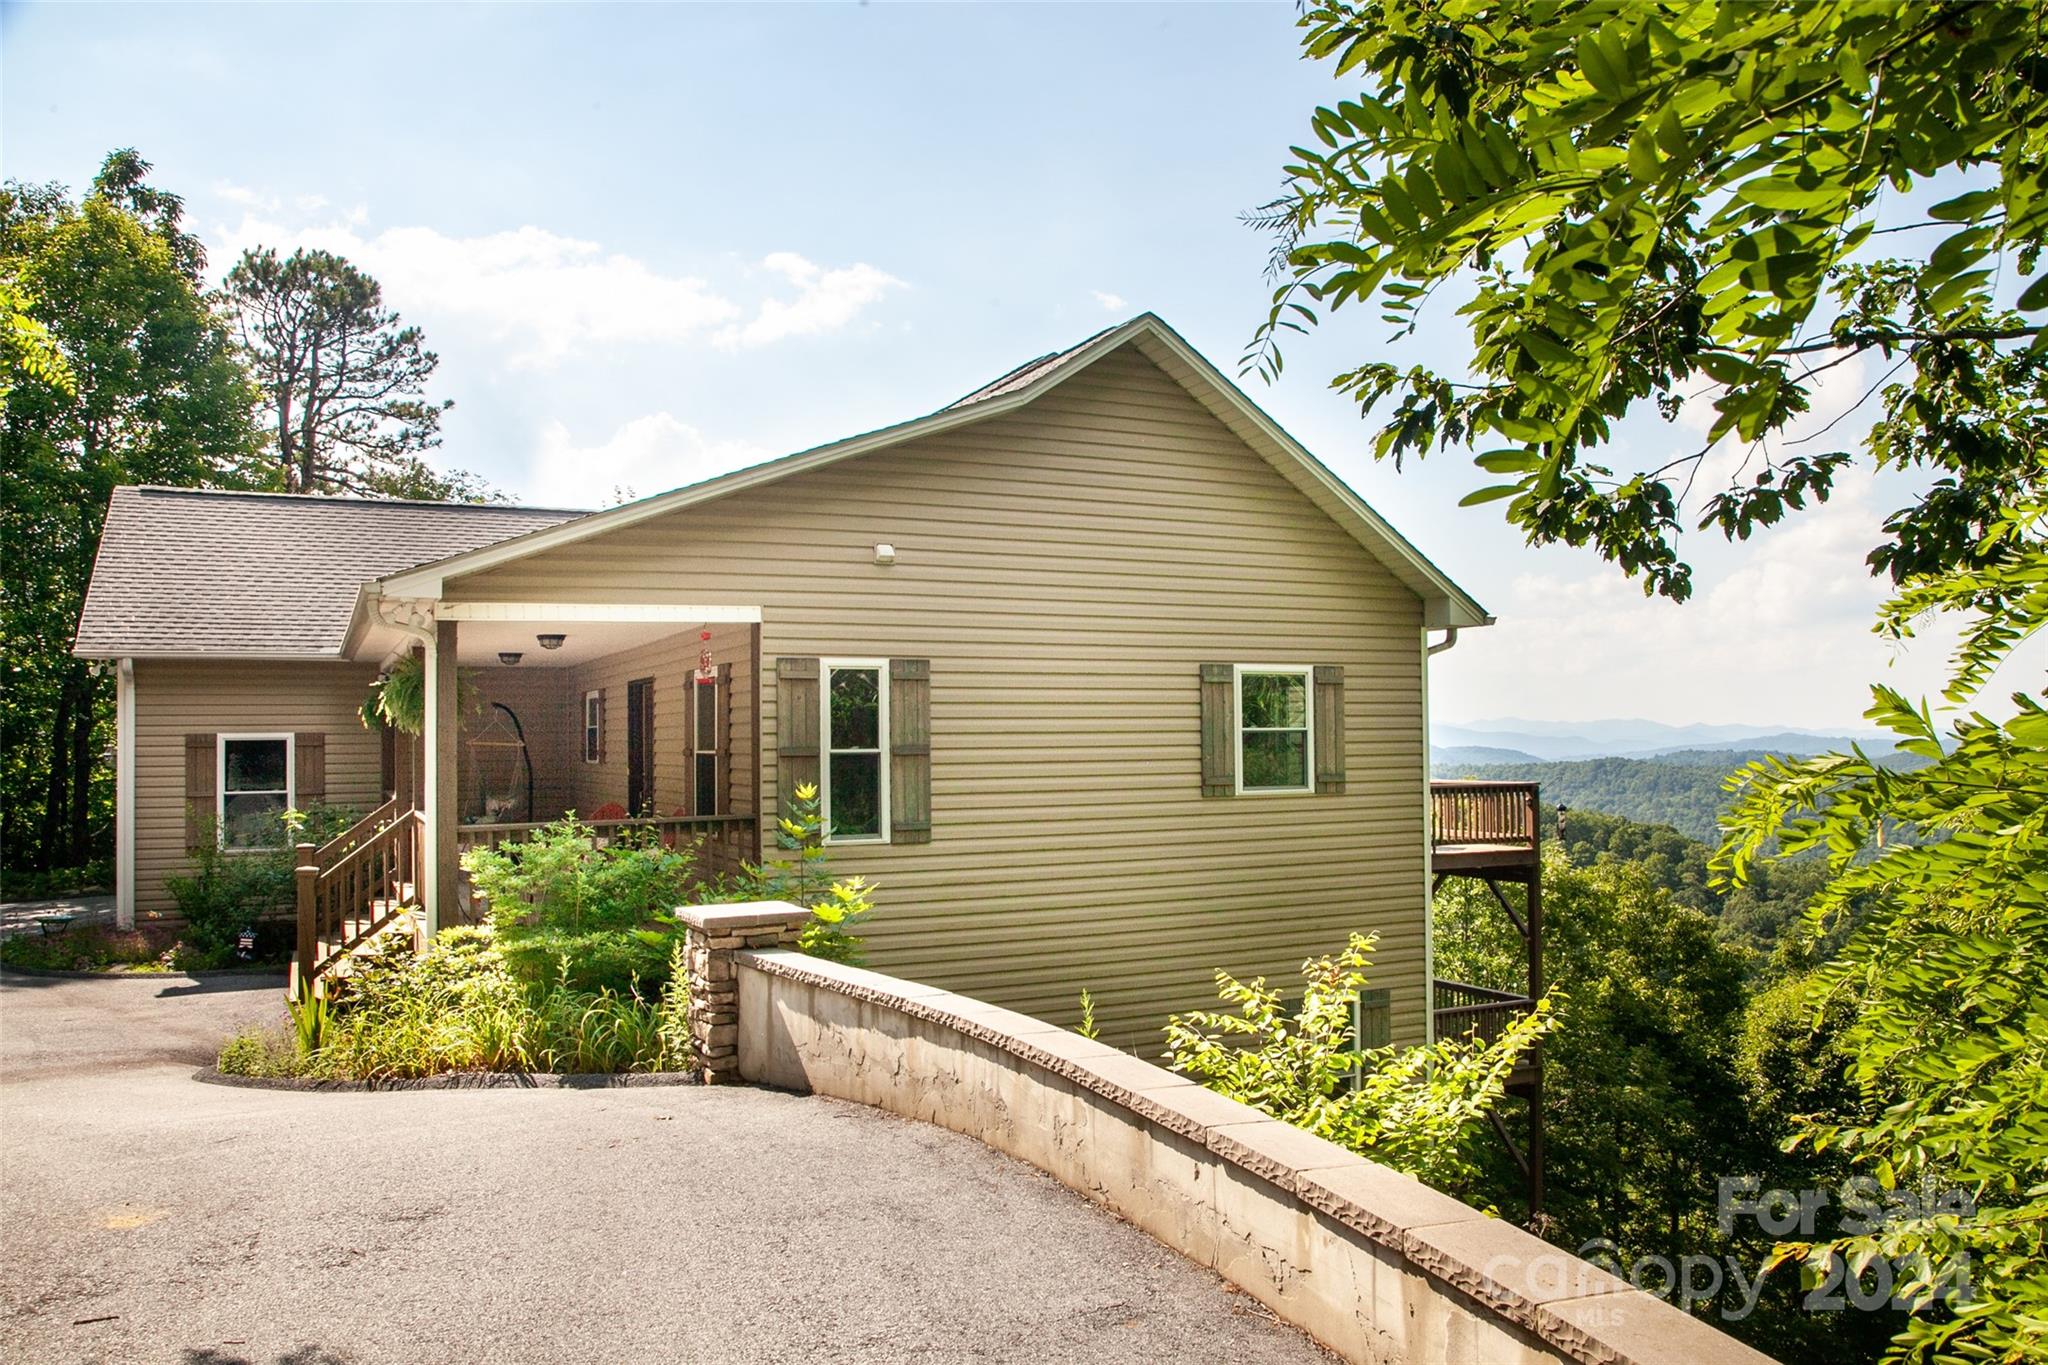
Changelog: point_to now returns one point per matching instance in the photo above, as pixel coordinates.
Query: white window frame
(220, 787)
(1307, 673)
(826, 667)
(700, 749)
(593, 731)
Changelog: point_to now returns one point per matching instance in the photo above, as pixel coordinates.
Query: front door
(640, 746)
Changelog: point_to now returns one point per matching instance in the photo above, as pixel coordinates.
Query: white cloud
(1781, 635)
(1113, 302)
(825, 301)
(245, 196)
(648, 455)
(547, 295)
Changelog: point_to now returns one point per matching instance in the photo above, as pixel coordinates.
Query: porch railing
(352, 886)
(1483, 813)
(723, 842)
(1475, 1012)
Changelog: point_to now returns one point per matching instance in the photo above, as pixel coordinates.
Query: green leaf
(1493, 494)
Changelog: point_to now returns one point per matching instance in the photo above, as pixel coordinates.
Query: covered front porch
(638, 719)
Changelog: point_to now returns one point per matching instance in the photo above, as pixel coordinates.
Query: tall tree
(1659, 203)
(1677, 204)
(343, 379)
(149, 389)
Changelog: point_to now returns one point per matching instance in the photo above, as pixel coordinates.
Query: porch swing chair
(503, 768)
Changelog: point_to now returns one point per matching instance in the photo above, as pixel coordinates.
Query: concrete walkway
(147, 1217)
(19, 917)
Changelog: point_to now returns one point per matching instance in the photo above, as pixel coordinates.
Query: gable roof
(186, 572)
(1444, 602)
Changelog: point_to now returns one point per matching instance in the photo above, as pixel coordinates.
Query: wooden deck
(1478, 827)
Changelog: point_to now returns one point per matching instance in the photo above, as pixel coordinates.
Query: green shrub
(229, 891)
(259, 1054)
(463, 1006)
(560, 879)
(87, 948)
(1422, 1110)
(624, 962)
(836, 906)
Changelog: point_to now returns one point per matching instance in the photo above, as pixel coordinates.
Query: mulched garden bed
(461, 1080)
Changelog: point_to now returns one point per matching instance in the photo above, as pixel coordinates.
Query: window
(593, 727)
(855, 790)
(705, 797)
(255, 790)
(1274, 750)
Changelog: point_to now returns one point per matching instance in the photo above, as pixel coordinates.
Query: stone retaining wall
(1372, 1263)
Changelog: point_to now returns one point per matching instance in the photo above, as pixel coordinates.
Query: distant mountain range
(1535, 741)
(1683, 788)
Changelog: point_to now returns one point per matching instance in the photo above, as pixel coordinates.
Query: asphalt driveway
(145, 1216)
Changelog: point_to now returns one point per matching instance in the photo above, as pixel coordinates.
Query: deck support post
(306, 875)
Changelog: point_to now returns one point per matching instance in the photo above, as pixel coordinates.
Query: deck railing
(352, 886)
(1476, 1012)
(1483, 813)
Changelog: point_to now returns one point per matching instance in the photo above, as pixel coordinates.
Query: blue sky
(650, 243)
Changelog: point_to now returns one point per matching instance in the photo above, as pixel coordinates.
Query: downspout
(1429, 848)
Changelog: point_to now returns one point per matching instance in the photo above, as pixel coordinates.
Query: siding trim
(124, 794)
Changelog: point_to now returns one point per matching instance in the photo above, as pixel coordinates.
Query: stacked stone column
(712, 934)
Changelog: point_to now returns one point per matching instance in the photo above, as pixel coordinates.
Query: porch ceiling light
(509, 657)
(550, 641)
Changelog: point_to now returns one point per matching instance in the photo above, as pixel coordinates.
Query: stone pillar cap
(742, 916)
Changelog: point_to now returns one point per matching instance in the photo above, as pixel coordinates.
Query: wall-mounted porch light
(885, 553)
(550, 641)
(509, 657)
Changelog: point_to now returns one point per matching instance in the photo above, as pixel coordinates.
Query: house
(1105, 681)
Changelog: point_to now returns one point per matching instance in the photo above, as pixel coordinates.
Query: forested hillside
(1684, 790)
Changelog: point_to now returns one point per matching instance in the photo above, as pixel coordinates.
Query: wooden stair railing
(352, 886)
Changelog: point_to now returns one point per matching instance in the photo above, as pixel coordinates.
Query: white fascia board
(596, 611)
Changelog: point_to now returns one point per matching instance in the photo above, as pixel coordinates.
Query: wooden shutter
(1375, 1018)
(1219, 731)
(910, 751)
(796, 727)
(201, 774)
(1329, 722)
(309, 763)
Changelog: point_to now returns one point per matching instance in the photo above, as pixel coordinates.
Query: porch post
(439, 805)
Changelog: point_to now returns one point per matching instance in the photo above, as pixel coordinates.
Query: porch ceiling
(478, 643)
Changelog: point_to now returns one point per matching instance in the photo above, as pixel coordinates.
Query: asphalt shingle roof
(1026, 373)
(189, 572)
